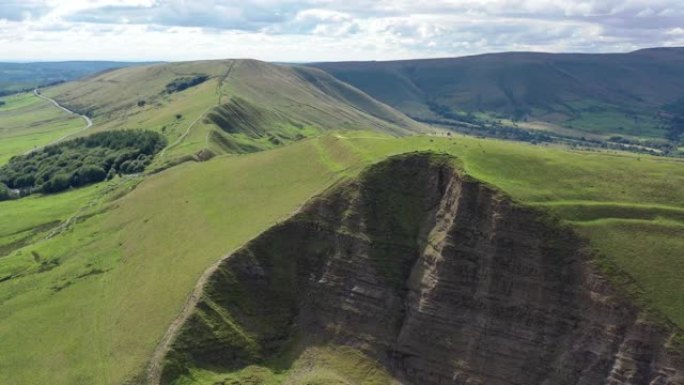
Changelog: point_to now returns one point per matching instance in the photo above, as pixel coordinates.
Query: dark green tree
(58, 182)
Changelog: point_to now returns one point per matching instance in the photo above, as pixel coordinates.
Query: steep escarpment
(435, 276)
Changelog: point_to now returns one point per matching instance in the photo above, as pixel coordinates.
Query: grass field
(151, 245)
(89, 304)
(595, 117)
(650, 253)
(27, 122)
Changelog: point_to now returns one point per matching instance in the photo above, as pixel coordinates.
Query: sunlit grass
(125, 267)
(28, 122)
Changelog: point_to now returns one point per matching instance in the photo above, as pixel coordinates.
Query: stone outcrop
(437, 276)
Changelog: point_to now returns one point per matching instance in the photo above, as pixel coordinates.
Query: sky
(326, 30)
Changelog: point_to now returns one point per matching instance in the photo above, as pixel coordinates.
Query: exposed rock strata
(437, 276)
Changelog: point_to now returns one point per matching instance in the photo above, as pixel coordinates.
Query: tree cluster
(80, 162)
(180, 84)
(448, 113)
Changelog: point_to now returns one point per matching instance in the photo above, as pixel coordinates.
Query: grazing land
(28, 122)
(105, 307)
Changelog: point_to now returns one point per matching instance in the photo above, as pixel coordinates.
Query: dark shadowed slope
(602, 93)
(428, 273)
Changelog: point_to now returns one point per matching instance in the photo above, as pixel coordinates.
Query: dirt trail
(155, 366)
(219, 86)
(185, 134)
(219, 91)
(89, 122)
(154, 370)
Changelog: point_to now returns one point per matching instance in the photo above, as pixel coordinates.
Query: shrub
(181, 84)
(59, 182)
(88, 174)
(4, 192)
(24, 180)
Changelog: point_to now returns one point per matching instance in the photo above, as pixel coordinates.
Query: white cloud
(311, 30)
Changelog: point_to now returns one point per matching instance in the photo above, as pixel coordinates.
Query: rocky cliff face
(438, 277)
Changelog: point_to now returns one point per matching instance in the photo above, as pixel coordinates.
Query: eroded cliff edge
(436, 276)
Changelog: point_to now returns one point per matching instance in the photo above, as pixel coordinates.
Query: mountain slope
(90, 279)
(228, 106)
(430, 273)
(601, 93)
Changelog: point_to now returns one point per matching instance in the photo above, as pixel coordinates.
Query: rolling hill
(607, 94)
(341, 222)
(232, 106)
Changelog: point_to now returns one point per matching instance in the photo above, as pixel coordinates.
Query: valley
(612, 98)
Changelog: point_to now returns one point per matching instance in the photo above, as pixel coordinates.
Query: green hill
(92, 279)
(424, 271)
(228, 106)
(95, 276)
(607, 94)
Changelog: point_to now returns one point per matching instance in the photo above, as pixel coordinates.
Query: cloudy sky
(317, 30)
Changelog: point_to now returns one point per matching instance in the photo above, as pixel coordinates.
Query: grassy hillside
(89, 286)
(28, 122)
(27, 76)
(608, 94)
(238, 106)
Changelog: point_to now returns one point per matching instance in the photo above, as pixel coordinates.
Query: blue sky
(321, 30)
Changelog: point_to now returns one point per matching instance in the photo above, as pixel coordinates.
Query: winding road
(89, 122)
